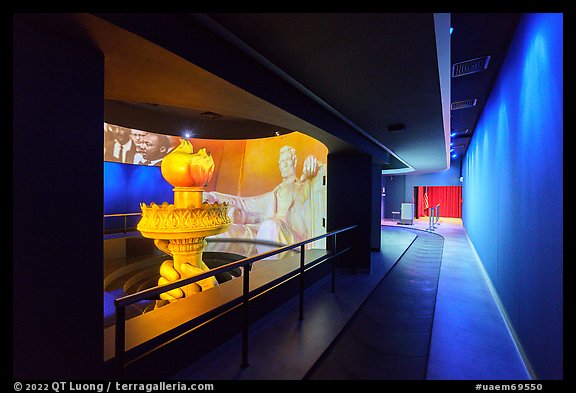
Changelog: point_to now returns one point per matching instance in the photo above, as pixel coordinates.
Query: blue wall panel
(126, 186)
(513, 189)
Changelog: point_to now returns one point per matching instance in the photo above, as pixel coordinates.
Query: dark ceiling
(380, 70)
(386, 75)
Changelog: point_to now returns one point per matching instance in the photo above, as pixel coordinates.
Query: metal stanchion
(301, 302)
(245, 315)
(431, 215)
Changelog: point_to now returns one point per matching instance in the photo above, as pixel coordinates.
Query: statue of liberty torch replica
(180, 229)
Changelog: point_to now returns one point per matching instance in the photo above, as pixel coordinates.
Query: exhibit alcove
(253, 195)
(132, 264)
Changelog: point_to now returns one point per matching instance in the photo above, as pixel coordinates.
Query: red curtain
(420, 208)
(449, 198)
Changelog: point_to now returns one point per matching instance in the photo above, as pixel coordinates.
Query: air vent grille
(470, 66)
(463, 104)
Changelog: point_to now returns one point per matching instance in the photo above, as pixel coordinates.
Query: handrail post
(431, 214)
(245, 315)
(333, 263)
(301, 300)
(354, 261)
(437, 214)
(120, 338)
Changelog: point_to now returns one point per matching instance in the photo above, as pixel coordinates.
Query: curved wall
(242, 167)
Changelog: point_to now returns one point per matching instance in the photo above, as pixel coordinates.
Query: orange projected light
(184, 168)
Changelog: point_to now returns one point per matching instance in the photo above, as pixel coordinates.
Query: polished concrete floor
(469, 338)
(389, 336)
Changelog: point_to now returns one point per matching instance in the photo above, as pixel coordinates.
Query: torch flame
(184, 168)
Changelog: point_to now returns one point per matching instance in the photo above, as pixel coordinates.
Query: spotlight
(452, 135)
(454, 155)
(276, 133)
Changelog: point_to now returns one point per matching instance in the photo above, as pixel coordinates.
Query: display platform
(139, 270)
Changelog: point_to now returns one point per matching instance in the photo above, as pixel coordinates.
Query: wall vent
(470, 66)
(463, 104)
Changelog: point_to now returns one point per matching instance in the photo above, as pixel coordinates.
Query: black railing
(122, 302)
(433, 217)
(125, 226)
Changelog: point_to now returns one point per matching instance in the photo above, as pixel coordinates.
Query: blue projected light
(126, 186)
(454, 155)
(451, 30)
(513, 170)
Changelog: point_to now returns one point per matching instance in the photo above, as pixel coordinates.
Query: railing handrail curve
(155, 291)
(122, 214)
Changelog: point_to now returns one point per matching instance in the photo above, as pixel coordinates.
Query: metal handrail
(121, 214)
(125, 215)
(122, 302)
(433, 217)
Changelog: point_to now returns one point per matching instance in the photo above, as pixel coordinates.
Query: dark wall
(349, 203)
(513, 189)
(375, 219)
(57, 188)
(395, 188)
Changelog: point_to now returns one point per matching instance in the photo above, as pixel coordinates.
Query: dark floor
(468, 337)
(389, 336)
(283, 347)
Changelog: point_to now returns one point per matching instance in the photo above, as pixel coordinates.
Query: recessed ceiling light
(210, 115)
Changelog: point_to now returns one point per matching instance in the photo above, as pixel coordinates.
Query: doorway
(448, 197)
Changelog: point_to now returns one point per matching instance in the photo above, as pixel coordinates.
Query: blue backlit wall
(125, 186)
(512, 191)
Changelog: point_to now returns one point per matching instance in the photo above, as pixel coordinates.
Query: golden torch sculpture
(180, 229)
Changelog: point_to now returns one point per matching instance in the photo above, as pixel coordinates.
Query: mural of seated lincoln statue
(293, 211)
